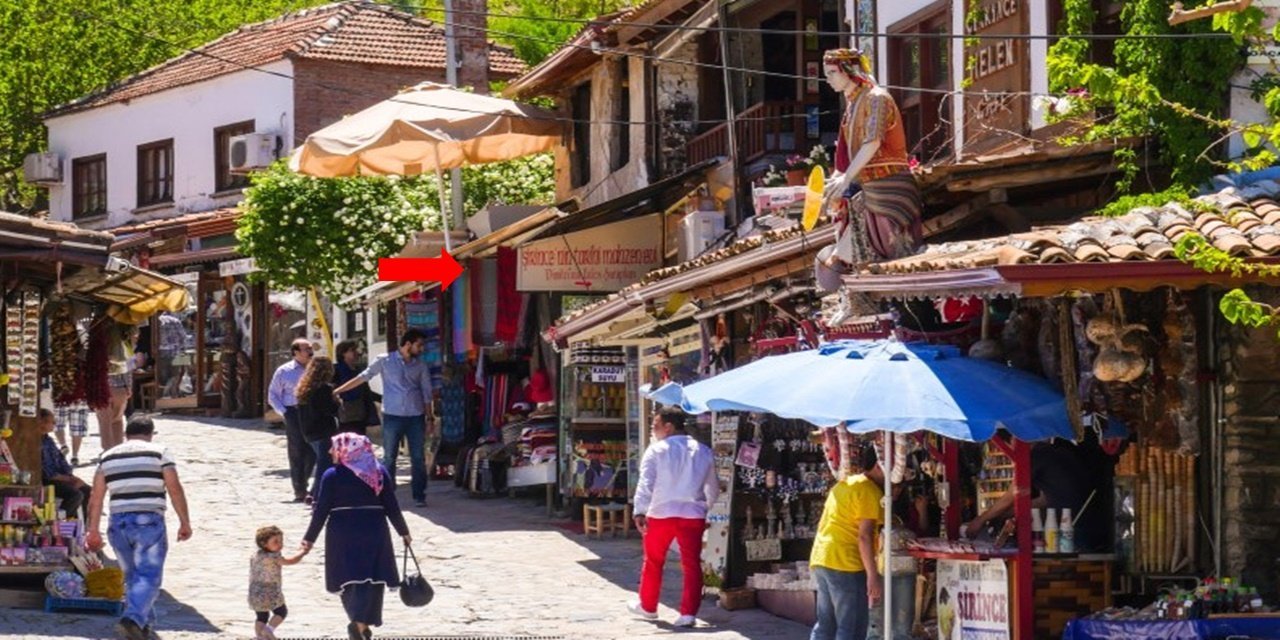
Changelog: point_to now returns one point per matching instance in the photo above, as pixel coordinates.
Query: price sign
(608, 374)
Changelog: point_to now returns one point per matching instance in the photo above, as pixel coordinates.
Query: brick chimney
(473, 43)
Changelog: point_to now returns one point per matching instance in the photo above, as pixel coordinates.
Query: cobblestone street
(500, 567)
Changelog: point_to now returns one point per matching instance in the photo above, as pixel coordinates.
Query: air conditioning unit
(42, 168)
(698, 230)
(251, 152)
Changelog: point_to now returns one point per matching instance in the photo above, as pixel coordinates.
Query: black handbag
(414, 590)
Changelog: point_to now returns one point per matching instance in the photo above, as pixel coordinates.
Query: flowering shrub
(328, 233)
(817, 158)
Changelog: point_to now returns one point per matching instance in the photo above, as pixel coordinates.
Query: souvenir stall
(598, 423)
(54, 273)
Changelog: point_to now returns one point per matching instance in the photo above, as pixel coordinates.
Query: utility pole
(451, 77)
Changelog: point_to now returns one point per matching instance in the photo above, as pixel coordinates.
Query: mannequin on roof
(871, 156)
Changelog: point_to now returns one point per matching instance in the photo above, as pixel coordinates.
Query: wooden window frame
(155, 186)
(928, 108)
(622, 113)
(223, 179)
(87, 202)
(580, 153)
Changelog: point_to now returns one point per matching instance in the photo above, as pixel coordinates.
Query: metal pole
(886, 467)
(451, 77)
(444, 217)
(730, 111)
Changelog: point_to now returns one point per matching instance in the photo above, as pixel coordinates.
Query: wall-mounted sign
(608, 374)
(237, 267)
(605, 258)
(995, 104)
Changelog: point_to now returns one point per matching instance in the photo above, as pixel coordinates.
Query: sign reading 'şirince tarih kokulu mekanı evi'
(604, 258)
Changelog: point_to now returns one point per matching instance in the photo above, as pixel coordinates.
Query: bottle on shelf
(1066, 533)
(1050, 531)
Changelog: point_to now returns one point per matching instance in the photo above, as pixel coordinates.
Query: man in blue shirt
(72, 492)
(280, 395)
(406, 406)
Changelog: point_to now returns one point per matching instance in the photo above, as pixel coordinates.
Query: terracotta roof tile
(349, 31)
(184, 219)
(1243, 222)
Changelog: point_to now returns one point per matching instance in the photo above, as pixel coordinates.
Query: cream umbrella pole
(445, 213)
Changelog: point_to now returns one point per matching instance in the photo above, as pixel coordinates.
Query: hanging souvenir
(29, 399)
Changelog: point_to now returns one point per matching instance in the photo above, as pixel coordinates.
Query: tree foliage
(55, 51)
(328, 233)
(536, 30)
(1172, 90)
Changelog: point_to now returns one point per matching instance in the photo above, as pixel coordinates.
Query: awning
(217, 254)
(133, 294)
(654, 198)
(730, 264)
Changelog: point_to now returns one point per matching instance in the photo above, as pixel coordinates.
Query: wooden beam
(760, 276)
(1011, 218)
(1011, 178)
(963, 214)
(1179, 15)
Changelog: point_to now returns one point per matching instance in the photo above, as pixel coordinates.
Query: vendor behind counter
(1065, 475)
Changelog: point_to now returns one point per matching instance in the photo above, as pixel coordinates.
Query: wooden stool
(598, 524)
(149, 392)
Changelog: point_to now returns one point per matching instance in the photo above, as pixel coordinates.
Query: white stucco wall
(187, 114)
(1039, 53)
(605, 183)
(1244, 108)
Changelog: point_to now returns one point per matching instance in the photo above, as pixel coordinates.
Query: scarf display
(355, 452)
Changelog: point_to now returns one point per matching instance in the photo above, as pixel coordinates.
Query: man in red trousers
(677, 485)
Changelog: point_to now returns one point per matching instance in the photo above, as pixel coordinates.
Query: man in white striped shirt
(136, 475)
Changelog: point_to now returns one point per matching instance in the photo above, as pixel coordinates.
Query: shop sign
(715, 554)
(605, 258)
(973, 600)
(995, 103)
(609, 374)
(237, 267)
(186, 277)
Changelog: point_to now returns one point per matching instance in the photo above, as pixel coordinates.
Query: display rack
(996, 478)
(595, 450)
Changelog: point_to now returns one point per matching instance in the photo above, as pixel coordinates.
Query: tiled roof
(52, 229)
(1244, 222)
(185, 219)
(354, 31)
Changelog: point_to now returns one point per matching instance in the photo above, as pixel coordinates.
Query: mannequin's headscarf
(355, 452)
(851, 62)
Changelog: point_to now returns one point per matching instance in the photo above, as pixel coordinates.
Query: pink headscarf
(355, 452)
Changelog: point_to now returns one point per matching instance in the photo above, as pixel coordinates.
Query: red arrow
(443, 269)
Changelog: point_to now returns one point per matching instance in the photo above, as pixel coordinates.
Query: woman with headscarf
(357, 499)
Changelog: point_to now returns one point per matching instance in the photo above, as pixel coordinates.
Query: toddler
(266, 595)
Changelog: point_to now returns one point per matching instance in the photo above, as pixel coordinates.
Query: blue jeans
(141, 545)
(323, 462)
(842, 605)
(415, 429)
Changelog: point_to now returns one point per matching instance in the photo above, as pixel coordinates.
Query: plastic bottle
(1255, 600)
(1050, 531)
(1037, 530)
(1066, 533)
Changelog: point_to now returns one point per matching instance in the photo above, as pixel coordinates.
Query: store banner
(604, 258)
(616, 374)
(724, 442)
(973, 600)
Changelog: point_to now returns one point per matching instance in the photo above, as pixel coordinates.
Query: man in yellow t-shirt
(843, 560)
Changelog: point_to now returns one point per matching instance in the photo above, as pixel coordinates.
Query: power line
(841, 34)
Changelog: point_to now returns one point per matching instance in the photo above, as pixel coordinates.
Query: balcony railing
(764, 128)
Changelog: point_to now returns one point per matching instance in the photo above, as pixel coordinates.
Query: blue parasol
(884, 385)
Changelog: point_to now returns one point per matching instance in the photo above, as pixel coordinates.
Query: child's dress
(265, 591)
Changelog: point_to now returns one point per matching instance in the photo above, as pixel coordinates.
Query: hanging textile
(495, 401)
(453, 410)
(461, 292)
(510, 302)
(484, 301)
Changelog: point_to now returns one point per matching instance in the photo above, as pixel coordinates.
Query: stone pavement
(500, 566)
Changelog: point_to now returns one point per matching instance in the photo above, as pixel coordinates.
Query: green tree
(328, 233)
(535, 28)
(55, 51)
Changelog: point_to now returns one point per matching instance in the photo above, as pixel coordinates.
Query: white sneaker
(686, 621)
(634, 607)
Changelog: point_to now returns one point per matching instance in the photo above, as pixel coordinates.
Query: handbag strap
(408, 553)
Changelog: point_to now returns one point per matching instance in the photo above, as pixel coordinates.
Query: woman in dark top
(356, 499)
(318, 412)
(357, 413)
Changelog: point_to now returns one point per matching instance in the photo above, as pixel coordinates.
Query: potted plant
(799, 167)
(773, 178)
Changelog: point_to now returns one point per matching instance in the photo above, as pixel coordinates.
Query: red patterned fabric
(510, 302)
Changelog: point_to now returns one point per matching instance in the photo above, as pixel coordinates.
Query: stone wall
(473, 46)
(1249, 374)
(677, 96)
